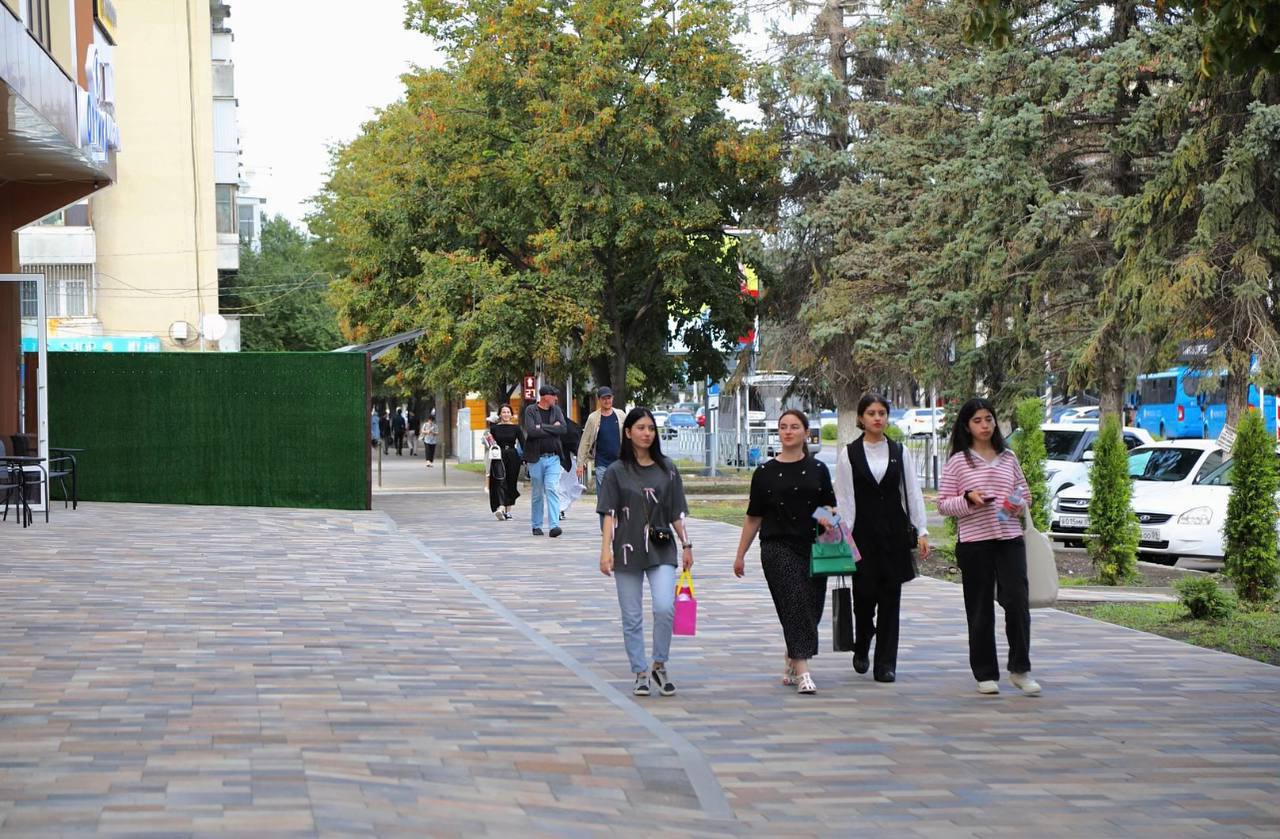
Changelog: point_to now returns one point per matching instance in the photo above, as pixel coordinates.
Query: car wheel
(1158, 559)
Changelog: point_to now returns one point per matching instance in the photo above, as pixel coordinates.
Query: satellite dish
(182, 333)
(213, 326)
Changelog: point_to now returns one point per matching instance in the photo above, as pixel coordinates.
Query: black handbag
(841, 619)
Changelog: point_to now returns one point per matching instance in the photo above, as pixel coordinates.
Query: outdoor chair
(60, 465)
(11, 489)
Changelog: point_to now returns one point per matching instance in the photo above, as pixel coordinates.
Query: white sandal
(806, 684)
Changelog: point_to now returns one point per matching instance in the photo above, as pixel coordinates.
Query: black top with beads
(785, 496)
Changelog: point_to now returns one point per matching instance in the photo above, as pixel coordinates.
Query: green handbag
(828, 559)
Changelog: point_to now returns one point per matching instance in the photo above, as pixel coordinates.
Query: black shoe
(562, 515)
(555, 531)
(537, 531)
(885, 676)
(860, 663)
(506, 517)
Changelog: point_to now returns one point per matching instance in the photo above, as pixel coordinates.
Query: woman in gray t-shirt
(642, 501)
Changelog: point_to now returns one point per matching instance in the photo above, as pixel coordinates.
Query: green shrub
(1028, 445)
(1203, 599)
(830, 433)
(894, 433)
(1113, 545)
(1250, 529)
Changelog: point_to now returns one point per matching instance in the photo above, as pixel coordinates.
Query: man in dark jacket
(384, 430)
(397, 428)
(544, 427)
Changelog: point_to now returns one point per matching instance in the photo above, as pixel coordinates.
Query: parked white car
(1085, 413)
(660, 418)
(917, 422)
(1069, 450)
(1186, 520)
(1153, 468)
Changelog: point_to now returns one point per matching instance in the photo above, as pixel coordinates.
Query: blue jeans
(545, 476)
(662, 591)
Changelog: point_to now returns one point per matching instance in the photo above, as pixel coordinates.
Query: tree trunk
(1112, 376)
(1237, 386)
(846, 397)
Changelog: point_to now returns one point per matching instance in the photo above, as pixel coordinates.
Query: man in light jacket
(601, 437)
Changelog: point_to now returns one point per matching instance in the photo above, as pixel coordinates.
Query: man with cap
(544, 427)
(601, 437)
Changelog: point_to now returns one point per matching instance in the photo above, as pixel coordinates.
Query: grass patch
(475, 467)
(1066, 582)
(1251, 634)
(729, 512)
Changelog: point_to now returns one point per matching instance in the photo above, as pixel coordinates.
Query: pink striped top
(1000, 478)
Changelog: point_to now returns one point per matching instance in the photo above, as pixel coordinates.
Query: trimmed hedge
(241, 429)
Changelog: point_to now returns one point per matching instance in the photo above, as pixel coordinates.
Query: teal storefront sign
(96, 343)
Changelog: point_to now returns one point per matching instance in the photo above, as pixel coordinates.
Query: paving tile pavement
(426, 670)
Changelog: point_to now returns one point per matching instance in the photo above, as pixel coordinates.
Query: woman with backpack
(642, 501)
(879, 497)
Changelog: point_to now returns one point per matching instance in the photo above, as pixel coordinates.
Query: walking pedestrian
(785, 491)
(879, 497)
(430, 432)
(983, 487)
(397, 430)
(373, 427)
(504, 491)
(601, 439)
(544, 427)
(642, 500)
(411, 431)
(384, 431)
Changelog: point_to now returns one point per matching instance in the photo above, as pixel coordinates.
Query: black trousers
(877, 602)
(798, 598)
(995, 571)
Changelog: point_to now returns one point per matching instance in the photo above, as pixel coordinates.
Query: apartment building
(58, 144)
(136, 268)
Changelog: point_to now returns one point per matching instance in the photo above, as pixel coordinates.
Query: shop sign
(96, 343)
(104, 12)
(99, 132)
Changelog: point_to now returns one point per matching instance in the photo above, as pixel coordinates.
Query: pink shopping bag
(686, 616)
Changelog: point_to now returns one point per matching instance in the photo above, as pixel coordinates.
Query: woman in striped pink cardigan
(984, 489)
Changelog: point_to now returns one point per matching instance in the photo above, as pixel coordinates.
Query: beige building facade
(157, 245)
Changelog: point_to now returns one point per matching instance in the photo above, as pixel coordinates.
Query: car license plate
(1149, 534)
(1073, 521)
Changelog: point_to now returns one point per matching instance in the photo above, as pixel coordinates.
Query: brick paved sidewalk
(426, 670)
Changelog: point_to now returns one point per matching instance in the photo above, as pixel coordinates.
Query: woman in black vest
(878, 495)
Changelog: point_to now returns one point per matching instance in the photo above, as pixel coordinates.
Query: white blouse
(878, 460)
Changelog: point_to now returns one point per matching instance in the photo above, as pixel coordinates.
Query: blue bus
(1173, 404)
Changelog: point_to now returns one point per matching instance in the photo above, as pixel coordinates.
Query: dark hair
(867, 401)
(798, 414)
(961, 439)
(627, 454)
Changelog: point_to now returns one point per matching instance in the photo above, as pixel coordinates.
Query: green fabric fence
(243, 429)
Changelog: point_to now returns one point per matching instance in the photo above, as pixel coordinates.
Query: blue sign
(714, 390)
(96, 343)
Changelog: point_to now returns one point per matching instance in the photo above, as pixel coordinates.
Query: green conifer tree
(1250, 529)
(1029, 447)
(1113, 544)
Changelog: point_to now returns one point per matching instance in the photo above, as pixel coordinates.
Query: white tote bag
(1042, 569)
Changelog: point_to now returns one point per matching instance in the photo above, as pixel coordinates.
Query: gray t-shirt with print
(632, 493)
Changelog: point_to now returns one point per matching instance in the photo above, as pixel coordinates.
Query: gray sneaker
(666, 687)
(642, 685)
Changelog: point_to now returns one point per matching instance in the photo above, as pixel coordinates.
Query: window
(1162, 464)
(68, 291)
(39, 24)
(1061, 445)
(226, 203)
(1212, 462)
(246, 224)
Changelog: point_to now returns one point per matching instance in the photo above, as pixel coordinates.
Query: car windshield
(1061, 445)
(1162, 464)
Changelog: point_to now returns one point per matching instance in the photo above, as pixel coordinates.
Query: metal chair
(60, 465)
(11, 485)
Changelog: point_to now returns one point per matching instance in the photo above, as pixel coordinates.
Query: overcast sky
(308, 74)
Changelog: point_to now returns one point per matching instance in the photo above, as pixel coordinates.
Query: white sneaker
(1024, 683)
(988, 686)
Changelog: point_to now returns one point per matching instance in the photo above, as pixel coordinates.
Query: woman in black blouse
(504, 492)
(784, 493)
